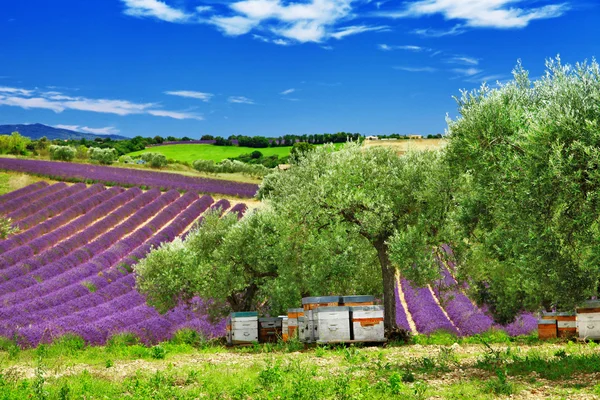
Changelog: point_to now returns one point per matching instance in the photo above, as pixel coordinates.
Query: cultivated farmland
(193, 152)
(69, 269)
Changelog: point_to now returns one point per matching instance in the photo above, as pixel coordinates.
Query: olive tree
(397, 205)
(260, 262)
(528, 156)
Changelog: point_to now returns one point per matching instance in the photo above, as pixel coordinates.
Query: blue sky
(271, 67)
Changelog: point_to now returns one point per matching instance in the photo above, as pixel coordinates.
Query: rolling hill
(37, 131)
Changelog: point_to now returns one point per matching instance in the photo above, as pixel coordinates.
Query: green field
(193, 152)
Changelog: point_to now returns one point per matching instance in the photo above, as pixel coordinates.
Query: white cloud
(467, 71)
(156, 9)
(386, 47)
(31, 98)
(175, 114)
(463, 60)
(481, 13)
(353, 30)
(191, 94)
(11, 90)
(416, 69)
(240, 100)
(288, 91)
(435, 33)
(107, 130)
(301, 21)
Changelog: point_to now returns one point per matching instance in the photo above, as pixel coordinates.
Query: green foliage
(528, 155)
(103, 156)
(300, 149)
(126, 160)
(82, 152)
(14, 144)
(6, 228)
(155, 160)
(158, 352)
(231, 166)
(62, 153)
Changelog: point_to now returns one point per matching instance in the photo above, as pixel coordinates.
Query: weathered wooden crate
(352, 301)
(547, 329)
(588, 320)
(367, 324)
(332, 324)
(269, 329)
(243, 327)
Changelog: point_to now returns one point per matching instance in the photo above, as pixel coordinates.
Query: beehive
(352, 301)
(367, 324)
(310, 303)
(332, 324)
(243, 327)
(269, 329)
(566, 323)
(284, 328)
(293, 314)
(588, 320)
(547, 329)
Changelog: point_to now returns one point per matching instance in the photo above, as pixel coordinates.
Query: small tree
(300, 149)
(103, 156)
(155, 160)
(62, 153)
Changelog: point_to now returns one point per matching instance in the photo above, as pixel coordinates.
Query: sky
(272, 67)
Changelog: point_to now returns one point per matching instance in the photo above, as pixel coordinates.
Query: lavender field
(69, 268)
(127, 177)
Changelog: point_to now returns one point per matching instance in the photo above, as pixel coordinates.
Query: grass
(193, 152)
(10, 181)
(188, 367)
(404, 145)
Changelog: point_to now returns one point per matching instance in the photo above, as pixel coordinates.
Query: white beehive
(332, 324)
(244, 327)
(285, 334)
(367, 323)
(588, 320)
(293, 325)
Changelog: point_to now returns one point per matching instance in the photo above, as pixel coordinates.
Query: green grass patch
(193, 152)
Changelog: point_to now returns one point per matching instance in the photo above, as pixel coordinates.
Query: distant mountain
(37, 131)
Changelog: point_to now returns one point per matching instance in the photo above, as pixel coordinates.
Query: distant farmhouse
(372, 138)
(414, 136)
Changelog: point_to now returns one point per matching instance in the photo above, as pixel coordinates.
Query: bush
(231, 166)
(103, 156)
(156, 160)
(82, 152)
(126, 160)
(62, 153)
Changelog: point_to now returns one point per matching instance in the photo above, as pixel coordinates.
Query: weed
(395, 383)
(500, 385)
(158, 352)
(419, 390)
(39, 392)
(271, 375)
(109, 363)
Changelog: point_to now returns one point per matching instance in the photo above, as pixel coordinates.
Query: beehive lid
(320, 299)
(546, 322)
(590, 304)
(331, 309)
(295, 310)
(558, 314)
(366, 308)
(244, 314)
(269, 319)
(357, 299)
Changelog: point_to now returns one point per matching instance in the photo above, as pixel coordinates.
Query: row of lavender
(125, 177)
(445, 306)
(70, 272)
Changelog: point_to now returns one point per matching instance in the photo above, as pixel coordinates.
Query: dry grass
(404, 145)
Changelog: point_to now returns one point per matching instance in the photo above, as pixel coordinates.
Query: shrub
(82, 152)
(155, 160)
(231, 166)
(103, 156)
(126, 160)
(62, 153)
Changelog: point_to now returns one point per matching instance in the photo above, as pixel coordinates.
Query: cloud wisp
(58, 102)
(415, 69)
(387, 47)
(499, 14)
(288, 91)
(191, 94)
(240, 100)
(107, 130)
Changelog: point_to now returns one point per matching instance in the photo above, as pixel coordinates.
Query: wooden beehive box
(366, 324)
(269, 329)
(310, 303)
(352, 301)
(547, 329)
(243, 327)
(284, 328)
(332, 324)
(588, 320)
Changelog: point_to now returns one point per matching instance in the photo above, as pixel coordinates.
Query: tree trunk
(243, 301)
(388, 274)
